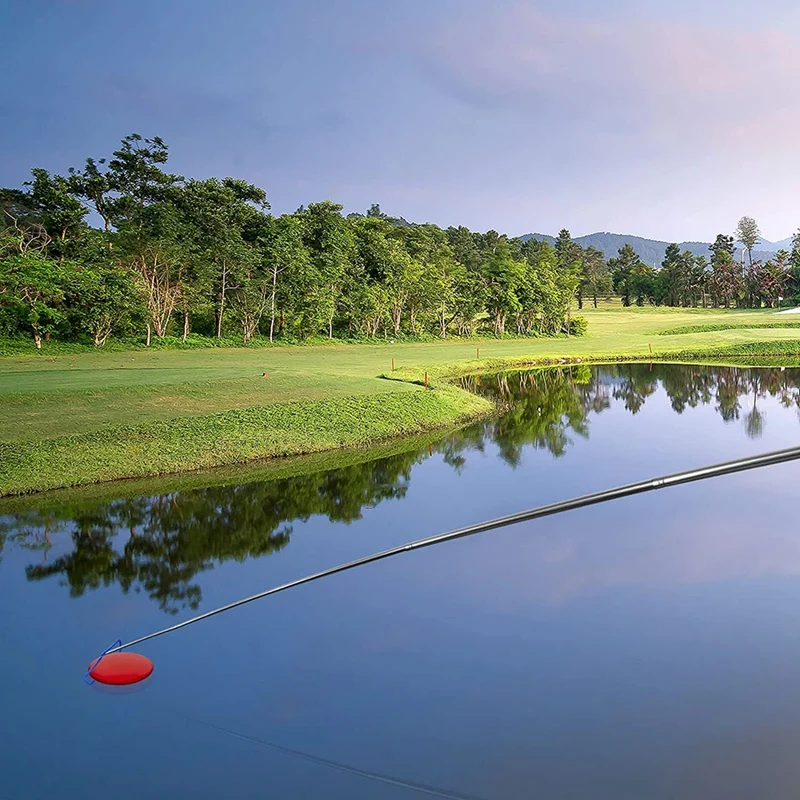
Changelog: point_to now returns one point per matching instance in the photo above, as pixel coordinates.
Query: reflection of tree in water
(169, 539)
(547, 406)
(539, 409)
(159, 544)
(754, 420)
(634, 389)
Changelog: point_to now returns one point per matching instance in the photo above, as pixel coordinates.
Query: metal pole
(677, 479)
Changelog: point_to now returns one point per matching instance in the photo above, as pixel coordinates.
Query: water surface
(645, 648)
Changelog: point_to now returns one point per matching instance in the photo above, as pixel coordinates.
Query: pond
(649, 647)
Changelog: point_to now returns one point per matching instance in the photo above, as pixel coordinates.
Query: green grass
(722, 326)
(270, 469)
(83, 417)
(230, 437)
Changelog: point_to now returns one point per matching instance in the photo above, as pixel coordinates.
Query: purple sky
(668, 119)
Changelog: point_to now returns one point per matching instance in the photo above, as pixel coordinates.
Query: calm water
(645, 648)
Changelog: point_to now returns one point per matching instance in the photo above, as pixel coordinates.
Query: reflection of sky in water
(644, 648)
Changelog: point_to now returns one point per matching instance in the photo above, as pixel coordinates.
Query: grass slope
(86, 417)
(230, 437)
(270, 469)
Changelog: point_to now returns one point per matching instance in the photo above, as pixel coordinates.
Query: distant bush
(578, 326)
(726, 326)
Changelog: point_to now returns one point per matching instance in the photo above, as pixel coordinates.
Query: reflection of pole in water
(754, 421)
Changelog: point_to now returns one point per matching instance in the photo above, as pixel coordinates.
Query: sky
(668, 119)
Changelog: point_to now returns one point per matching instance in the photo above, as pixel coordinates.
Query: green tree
(622, 270)
(774, 278)
(446, 273)
(794, 268)
(595, 279)
(569, 258)
(34, 287)
(726, 278)
(503, 278)
(465, 250)
(543, 301)
(748, 233)
(156, 253)
(105, 300)
(700, 280)
(329, 240)
(726, 282)
(430, 253)
(723, 249)
(214, 217)
(671, 276)
(61, 214)
(642, 284)
(285, 260)
(134, 196)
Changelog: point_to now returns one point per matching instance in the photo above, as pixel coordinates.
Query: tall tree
(134, 196)
(214, 216)
(595, 279)
(671, 275)
(774, 278)
(723, 248)
(748, 234)
(622, 270)
(503, 278)
(642, 283)
(726, 278)
(569, 258)
(57, 209)
(329, 240)
(794, 268)
(282, 252)
(726, 281)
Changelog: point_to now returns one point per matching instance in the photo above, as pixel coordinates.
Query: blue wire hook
(87, 679)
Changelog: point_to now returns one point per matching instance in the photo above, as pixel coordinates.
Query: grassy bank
(80, 418)
(269, 469)
(231, 437)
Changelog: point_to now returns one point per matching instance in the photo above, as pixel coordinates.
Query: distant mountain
(651, 251)
(773, 247)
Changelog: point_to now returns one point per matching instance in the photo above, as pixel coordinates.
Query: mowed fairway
(45, 397)
(77, 419)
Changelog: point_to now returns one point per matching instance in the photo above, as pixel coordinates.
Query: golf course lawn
(87, 417)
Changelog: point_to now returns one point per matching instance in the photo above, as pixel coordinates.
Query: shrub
(578, 326)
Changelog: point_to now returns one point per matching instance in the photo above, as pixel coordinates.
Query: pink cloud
(703, 83)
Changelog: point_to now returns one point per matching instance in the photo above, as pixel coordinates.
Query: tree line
(689, 280)
(120, 247)
(123, 248)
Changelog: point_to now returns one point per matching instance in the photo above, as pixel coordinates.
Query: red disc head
(120, 669)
